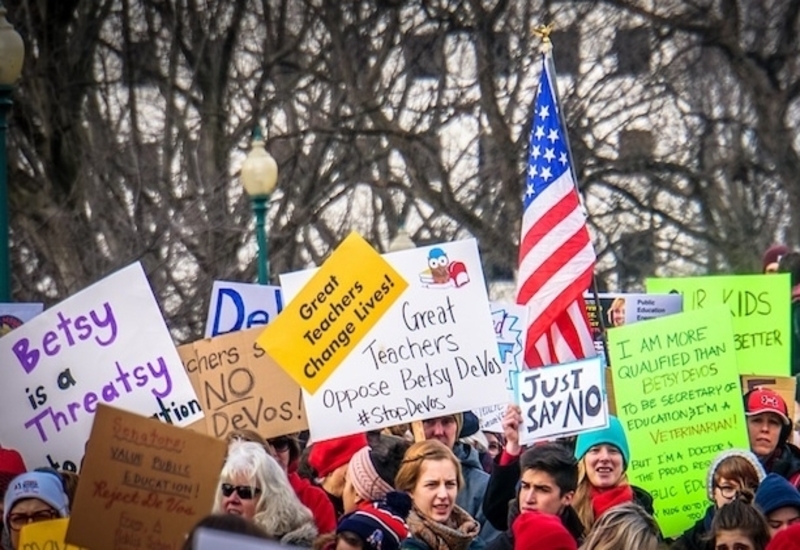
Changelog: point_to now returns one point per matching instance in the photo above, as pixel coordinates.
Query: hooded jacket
(292, 525)
(470, 497)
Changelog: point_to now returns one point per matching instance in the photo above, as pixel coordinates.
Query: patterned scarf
(457, 533)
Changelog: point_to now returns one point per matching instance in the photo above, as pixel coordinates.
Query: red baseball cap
(764, 400)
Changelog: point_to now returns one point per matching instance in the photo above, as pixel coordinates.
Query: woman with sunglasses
(286, 450)
(733, 475)
(33, 497)
(253, 485)
(431, 475)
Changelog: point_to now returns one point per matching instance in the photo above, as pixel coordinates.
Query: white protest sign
(13, 315)
(432, 353)
(239, 306)
(561, 400)
(509, 321)
(106, 344)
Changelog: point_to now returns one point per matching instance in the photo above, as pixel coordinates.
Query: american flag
(556, 256)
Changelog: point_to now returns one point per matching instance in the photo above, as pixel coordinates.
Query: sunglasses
(281, 444)
(244, 492)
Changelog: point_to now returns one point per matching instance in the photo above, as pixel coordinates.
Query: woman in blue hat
(603, 456)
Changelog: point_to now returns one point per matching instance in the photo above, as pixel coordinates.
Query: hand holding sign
(561, 400)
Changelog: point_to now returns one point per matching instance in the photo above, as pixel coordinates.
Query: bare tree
(132, 118)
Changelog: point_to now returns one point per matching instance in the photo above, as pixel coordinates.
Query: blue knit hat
(45, 486)
(775, 492)
(612, 435)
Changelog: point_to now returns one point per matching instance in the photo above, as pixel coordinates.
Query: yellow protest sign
(45, 535)
(332, 313)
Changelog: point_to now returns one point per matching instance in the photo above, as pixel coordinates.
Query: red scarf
(604, 499)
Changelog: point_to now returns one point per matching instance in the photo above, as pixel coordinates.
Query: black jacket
(786, 463)
(500, 491)
(694, 538)
(643, 499)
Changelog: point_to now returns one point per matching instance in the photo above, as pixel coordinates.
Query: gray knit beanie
(721, 457)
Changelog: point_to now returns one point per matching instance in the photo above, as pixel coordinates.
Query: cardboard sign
(760, 308)
(45, 535)
(679, 400)
(239, 306)
(561, 400)
(509, 321)
(617, 309)
(15, 314)
(240, 387)
(327, 319)
(433, 353)
(144, 484)
(107, 344)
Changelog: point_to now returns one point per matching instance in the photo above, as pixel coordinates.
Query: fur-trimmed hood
(288, 528)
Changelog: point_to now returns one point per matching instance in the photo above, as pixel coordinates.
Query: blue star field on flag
(547, 153)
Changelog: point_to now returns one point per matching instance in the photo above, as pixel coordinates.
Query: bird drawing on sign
(438, 262)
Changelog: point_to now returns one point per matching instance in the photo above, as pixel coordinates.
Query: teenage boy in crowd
(542, 479)
(769, 428)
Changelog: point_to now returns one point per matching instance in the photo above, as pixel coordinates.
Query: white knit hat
(747, 455)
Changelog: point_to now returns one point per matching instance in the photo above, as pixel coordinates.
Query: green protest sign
(760, 307)
(679, 399)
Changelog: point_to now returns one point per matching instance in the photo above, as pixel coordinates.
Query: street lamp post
(12, 53)
(259, 177)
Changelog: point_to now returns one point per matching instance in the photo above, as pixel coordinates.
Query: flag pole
(543, 32)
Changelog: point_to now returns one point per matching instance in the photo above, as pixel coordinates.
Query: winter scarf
(456, 534)
(605, 499)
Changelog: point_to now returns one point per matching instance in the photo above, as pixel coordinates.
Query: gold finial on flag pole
(543, 32)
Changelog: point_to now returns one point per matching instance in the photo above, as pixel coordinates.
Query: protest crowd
(444, 482)
(453, 490)
(457, 487)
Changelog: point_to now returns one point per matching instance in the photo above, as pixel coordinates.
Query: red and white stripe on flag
(556, 256)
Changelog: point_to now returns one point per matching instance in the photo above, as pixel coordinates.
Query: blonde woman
(624, 526)
(253, 485)
(616, 313)
(431, 474)
(603, 457)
